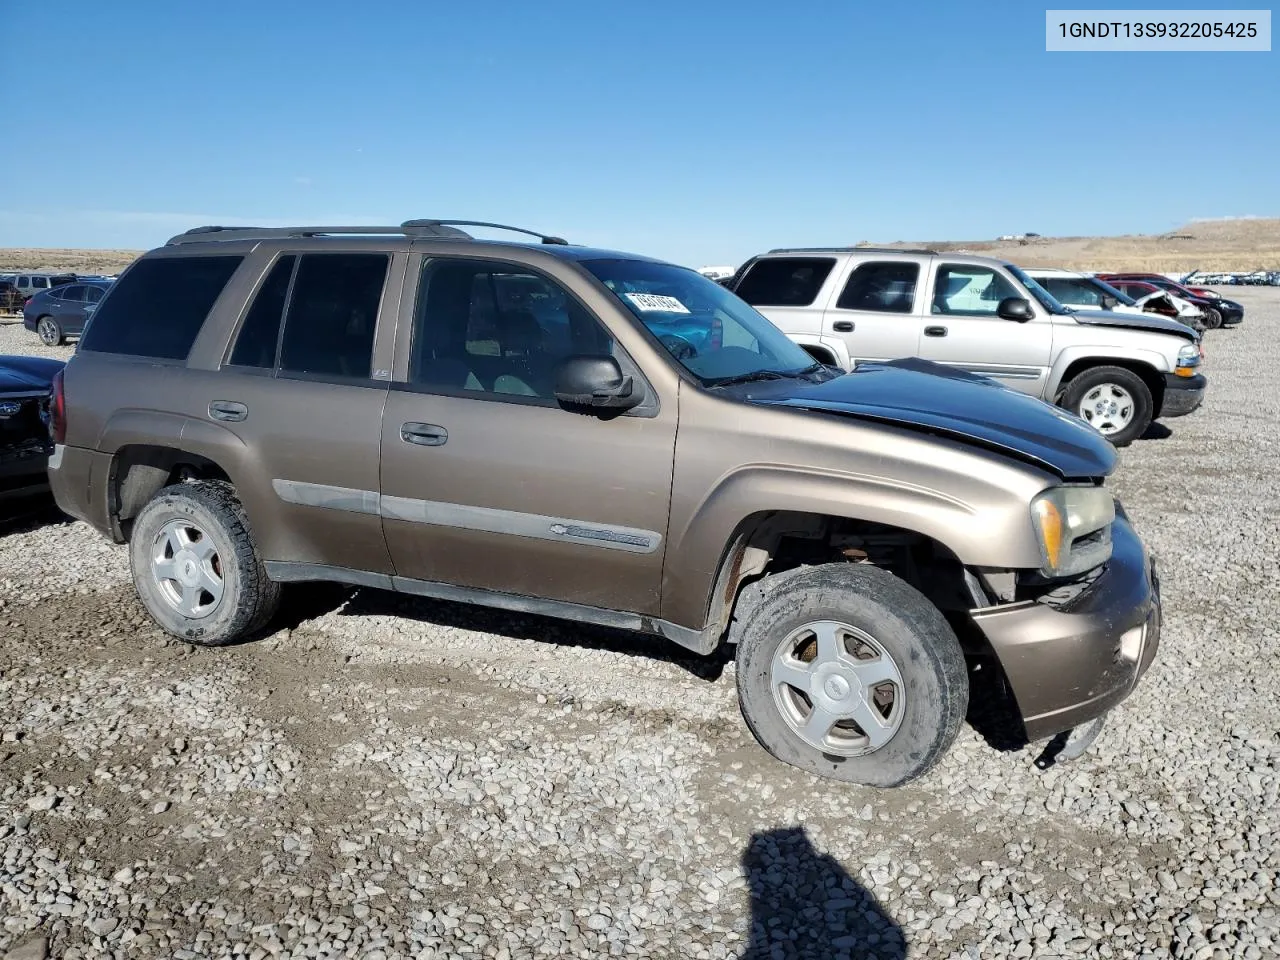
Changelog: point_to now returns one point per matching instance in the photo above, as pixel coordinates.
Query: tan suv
(611, 439)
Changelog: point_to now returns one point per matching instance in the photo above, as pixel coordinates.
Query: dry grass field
(1216, 245)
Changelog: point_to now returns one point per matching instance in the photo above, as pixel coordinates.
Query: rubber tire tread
(254, 597)
(1084, 381)
(900, 618)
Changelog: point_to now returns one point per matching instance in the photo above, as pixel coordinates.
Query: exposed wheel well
(1150, 376)
(140, 471)
(769, 543)
(821, 354)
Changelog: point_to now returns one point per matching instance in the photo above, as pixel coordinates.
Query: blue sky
(698, 131)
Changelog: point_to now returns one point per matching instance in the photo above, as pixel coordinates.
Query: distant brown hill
(71, 261)
(1214, 245)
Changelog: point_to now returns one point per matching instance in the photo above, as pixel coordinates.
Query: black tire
(248, 597)
(50, 332)
(1213, 319)
(909, 628)
(1084, 383)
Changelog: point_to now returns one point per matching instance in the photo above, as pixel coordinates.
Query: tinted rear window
(784, 281)
(158, 306)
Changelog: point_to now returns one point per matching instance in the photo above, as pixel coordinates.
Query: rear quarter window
(158, 307)
(784, 281)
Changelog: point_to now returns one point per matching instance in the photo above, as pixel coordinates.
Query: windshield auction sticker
(653, 303)
(1157, 30)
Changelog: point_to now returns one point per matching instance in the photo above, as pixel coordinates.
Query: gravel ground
(391, 777)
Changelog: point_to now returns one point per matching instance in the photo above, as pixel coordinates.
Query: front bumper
(1070, 664)
(1182, 395)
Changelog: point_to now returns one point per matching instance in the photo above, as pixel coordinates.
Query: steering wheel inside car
(679, 347)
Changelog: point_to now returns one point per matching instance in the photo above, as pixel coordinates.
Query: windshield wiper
(751, 377)
(756, 375)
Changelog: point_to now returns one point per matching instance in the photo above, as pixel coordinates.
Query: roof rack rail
(918, 250)
(437, 229)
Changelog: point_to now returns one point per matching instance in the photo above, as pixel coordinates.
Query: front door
(877, 311)
(962, 328)
(487, 482)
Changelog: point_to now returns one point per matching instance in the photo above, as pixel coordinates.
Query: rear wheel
(50, 332)
(1113, 400)
(849, 673)
(195, 566)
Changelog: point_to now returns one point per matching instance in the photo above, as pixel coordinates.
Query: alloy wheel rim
(47, 332)
(187, 569)
(1108, 407)
(837, 688)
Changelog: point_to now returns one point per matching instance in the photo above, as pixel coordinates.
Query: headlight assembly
(1074, 527)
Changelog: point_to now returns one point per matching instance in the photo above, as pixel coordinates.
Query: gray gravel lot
(390, 777)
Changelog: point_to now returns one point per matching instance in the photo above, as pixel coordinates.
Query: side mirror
(1109, 302)
(596, 381)
(1016, 309)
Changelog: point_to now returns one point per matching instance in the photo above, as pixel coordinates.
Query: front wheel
(50, 332)
(1113, 400)
(849, 673)
(195, 566)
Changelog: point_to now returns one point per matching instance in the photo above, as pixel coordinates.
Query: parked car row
(1259, 278)
(1117, 370)
(17, 289)
(62, 311)
(616, 440)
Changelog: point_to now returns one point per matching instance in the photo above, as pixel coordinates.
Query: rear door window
(72, 292)
(888, 287)
(94, 294)
(40, 283)
(158, 306)
(260, 332)
(784, 281)
(333, 314)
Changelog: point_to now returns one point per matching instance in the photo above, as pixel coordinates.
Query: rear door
(487, 482)
(962, 328)
(297, 387)
(877, 309)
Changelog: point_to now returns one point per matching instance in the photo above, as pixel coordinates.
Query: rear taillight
(58, 410)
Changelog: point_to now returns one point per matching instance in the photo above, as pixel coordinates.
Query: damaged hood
(1135, 321)
(26, 375)
(933, 398)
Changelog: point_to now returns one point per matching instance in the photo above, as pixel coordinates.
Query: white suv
(1119, 371)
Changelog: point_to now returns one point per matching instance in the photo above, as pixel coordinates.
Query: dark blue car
(62, 312)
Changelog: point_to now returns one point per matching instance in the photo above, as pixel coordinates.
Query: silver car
(988, 317)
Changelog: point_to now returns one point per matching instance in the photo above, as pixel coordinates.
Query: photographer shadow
(804, 904)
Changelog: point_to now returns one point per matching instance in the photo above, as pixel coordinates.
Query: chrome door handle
(424, 434)
(228, 411)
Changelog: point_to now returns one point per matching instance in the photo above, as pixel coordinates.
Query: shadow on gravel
(804, 904)
(993, 712)
(1156, 431)
(366, 602)
(20, 514)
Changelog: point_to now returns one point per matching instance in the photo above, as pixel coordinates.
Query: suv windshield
(715, 335)
(1046, 298)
